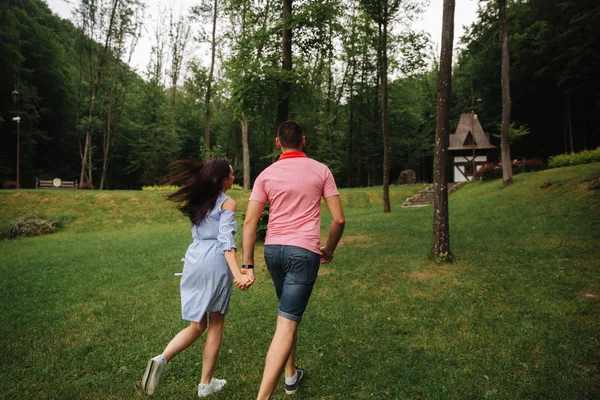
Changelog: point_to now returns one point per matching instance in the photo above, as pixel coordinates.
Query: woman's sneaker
(291, 389)
(214, 386)
(154, 369)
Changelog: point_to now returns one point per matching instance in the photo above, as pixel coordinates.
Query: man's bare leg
(278, 355)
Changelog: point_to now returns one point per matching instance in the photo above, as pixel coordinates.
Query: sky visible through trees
(430, 22)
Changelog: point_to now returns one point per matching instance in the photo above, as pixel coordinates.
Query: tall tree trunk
(384, 120)
(209, 84)
(507, 173)
(245, 153)
(264, 28)
(351, 98)
(441, 229)
(285, 86)
(106, 144)
(179, 33)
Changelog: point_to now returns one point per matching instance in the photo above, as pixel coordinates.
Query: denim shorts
(294, 272)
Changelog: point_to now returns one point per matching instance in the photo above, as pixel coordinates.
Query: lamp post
(17, 119)
(473, 116)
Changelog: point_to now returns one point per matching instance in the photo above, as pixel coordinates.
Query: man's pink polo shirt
(294, 185)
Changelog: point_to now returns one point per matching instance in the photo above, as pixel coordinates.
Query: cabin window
(468, 169)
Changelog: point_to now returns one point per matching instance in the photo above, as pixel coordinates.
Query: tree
(179, 34)
(441, 228)
(285, 85)
(93, 17)
(201, 12)
(383, 13)
(128, 29)
(237, 71)
(506, 160)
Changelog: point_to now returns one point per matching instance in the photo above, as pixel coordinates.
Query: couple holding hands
(294, 187)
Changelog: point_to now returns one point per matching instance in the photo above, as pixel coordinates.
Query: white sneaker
(214, 386)
(155, 368)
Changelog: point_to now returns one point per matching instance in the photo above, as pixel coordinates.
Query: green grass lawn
(515, 316)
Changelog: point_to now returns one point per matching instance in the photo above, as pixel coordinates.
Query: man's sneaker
(156, 366)
(291, 389)
(214, 386)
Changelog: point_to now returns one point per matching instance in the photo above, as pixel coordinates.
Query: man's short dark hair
(290, 135)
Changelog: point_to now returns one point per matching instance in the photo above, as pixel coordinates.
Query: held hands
(326, 255)
(245, 280)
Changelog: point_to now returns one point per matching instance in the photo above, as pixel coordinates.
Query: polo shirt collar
(292, 154)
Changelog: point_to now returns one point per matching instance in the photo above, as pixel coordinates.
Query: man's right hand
(326, 255)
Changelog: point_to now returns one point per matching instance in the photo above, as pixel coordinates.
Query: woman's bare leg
(212, 346)
(184, 339)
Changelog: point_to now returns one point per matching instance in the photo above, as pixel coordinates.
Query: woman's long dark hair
(201, 186)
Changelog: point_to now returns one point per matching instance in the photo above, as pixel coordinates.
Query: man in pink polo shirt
(294, 186)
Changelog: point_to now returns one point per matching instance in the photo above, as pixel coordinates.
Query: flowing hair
(201, 185)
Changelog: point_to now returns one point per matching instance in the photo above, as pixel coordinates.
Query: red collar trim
(292, 154)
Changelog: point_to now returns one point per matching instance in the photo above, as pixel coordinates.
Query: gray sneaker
(291, 389)
(155, 368)
(214, 386)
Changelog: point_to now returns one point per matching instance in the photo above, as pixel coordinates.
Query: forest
(84, 114)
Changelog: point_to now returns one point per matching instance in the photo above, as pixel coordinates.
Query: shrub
(489, 172)
(263, 221)
(170, 188)
(527, 165)
(9, 184)
(173, 188)
(30, 225)
(86, 186)
(583, 157)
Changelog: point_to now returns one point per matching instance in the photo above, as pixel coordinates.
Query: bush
(9, 184)
(489, 172)
(30, 225)
(263, 221)
(86, 186)
(583, 157)
(173, 188)
(170, 188)
(527, 165)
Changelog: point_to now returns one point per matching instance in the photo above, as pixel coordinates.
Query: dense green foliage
(555, 74)
(583, 157)
(514, 317)
(139, 122)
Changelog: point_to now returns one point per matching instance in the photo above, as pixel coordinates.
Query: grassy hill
(515, 316)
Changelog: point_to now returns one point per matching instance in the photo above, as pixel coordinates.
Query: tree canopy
(140, 122)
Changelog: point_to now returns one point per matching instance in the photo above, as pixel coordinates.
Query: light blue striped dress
(206, 281)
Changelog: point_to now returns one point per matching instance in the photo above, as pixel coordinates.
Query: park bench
(55, 183)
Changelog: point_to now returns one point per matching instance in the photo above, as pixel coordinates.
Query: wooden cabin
(469, 147)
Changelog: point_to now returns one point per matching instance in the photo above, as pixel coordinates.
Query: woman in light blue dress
(210, 267)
